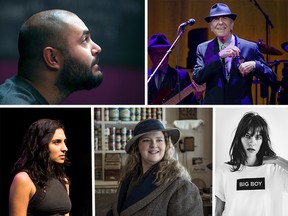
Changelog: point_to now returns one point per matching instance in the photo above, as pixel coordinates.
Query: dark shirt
(18, 91)
(175, 81)
(52, 201)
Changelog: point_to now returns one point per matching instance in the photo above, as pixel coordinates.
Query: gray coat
(178, 198)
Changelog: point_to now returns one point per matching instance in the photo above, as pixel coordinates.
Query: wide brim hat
(220, 9)
(158, 41)
(148, 126)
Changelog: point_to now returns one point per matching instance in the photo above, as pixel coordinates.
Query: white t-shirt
(252, 191)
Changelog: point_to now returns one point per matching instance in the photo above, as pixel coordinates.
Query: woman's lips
(250, 149)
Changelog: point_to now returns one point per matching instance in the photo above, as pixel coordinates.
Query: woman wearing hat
(153, 182)
(227, 63)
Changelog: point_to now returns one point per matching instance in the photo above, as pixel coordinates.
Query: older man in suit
(228, 63)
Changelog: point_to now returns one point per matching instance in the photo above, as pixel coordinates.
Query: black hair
(35, 157)
(251, 122)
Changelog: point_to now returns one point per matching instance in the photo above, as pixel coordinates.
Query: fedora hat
(158, 41)
(151, 125)
(220, 9)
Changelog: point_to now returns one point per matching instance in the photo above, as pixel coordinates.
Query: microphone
(189, 22)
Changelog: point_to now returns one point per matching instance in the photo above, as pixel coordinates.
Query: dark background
(118, 27)
(13, 124)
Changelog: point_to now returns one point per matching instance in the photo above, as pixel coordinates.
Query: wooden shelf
(102, 140)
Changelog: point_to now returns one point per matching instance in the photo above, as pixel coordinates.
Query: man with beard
(57, 57)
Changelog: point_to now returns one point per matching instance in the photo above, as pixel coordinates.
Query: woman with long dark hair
(40, 185)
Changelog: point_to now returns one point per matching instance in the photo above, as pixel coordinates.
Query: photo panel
(14, 123)
(262, 28)
(118, 29)
(242, 137)
(114, 126)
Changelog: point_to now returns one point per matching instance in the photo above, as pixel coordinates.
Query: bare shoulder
(21, 191)
(22, 180)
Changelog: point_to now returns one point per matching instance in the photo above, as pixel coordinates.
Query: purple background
(120, 86)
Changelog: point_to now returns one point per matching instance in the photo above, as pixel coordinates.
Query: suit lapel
(215, 51)
(152, 195)
(145, 187)
(234, 63)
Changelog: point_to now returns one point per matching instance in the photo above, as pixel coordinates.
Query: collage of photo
(143, 107)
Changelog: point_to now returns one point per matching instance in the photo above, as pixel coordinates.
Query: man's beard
(78, 76)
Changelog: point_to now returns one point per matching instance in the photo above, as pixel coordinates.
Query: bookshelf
(113, 127)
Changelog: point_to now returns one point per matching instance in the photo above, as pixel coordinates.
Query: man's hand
(229, 51)
(198, 90)
(246, 67)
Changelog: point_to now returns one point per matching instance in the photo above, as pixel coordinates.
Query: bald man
(57, 57)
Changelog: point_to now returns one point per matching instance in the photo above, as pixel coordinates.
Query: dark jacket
(209, 69)
(18, 91)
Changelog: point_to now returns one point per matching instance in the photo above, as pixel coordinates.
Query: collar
(231, 40)
(164, 70)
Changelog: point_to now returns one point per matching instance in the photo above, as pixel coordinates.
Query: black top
(51, 201)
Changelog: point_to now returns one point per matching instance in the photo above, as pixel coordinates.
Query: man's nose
(96, 49)
(220, 20)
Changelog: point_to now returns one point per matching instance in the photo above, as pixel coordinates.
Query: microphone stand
(268, 23)
(166, 54)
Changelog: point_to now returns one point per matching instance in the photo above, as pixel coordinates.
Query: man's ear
(52, 57)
